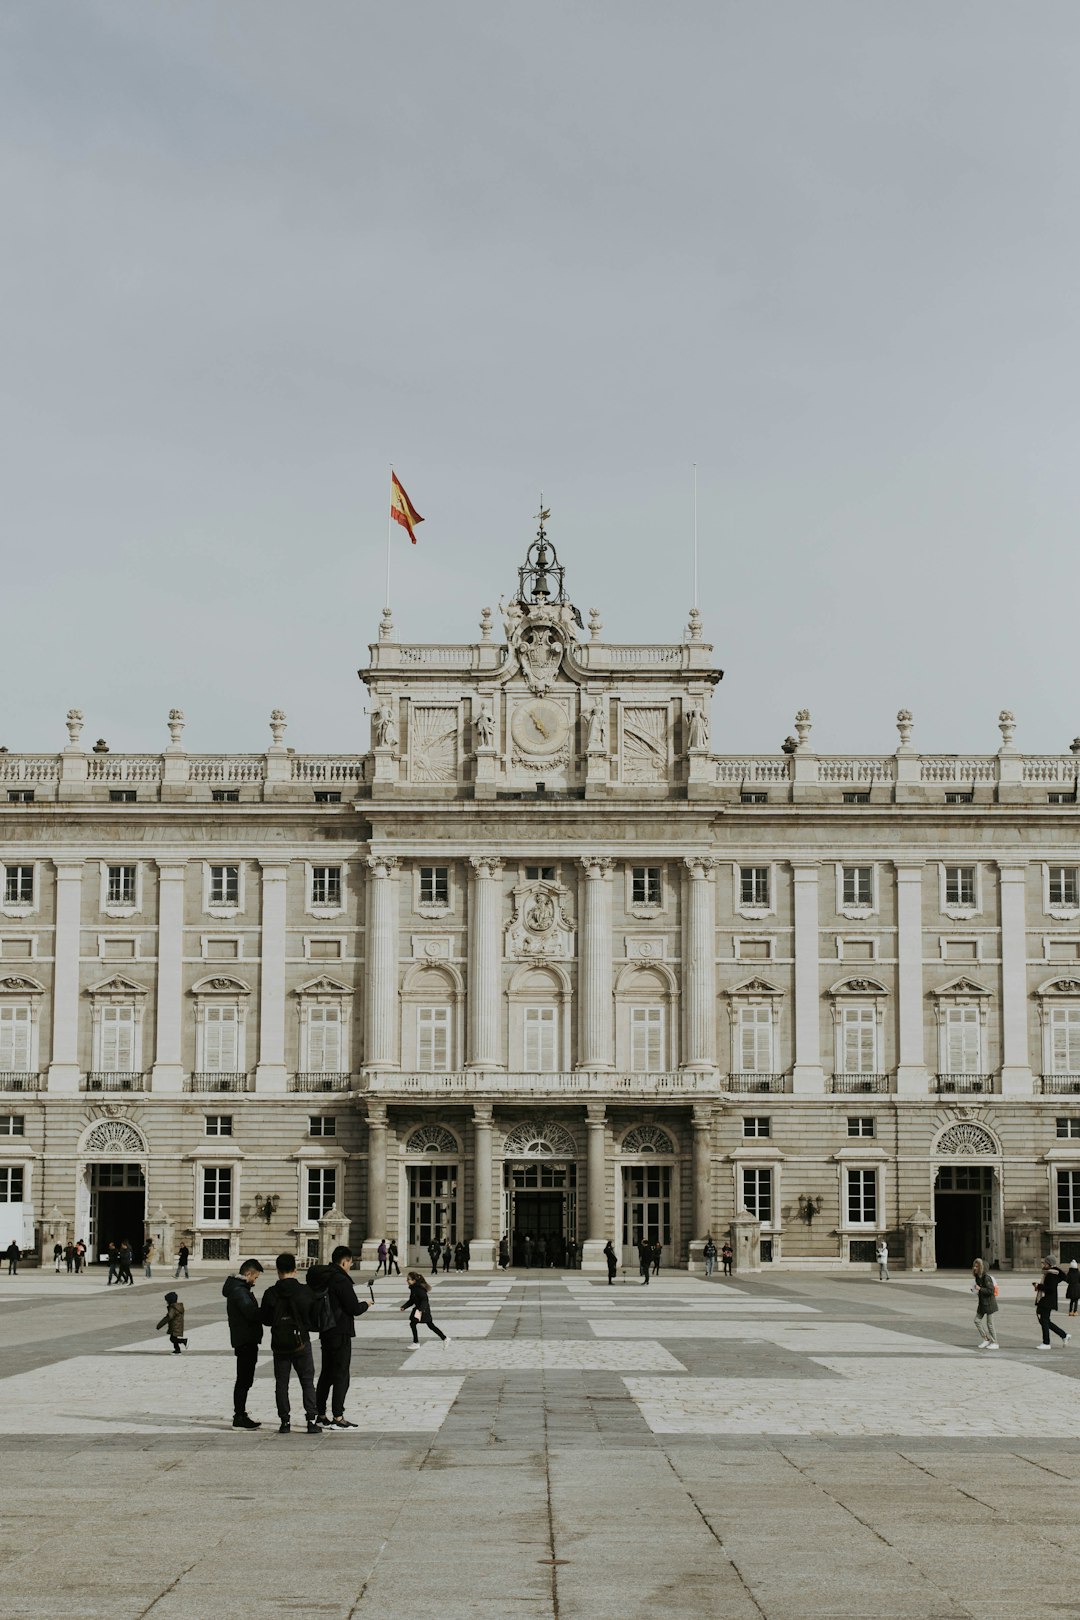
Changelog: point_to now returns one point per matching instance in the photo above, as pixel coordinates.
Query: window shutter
(860, 1029)
(433, 1038)
(540, 1039)
(755, 1028)
(324, 1040)
(15, 1039)
(964, 1047)
(117, 1052)
(1065, 1030)
(221, 1045)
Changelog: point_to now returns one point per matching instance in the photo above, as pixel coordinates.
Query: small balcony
(19, 1080)
(749, 1084)
(208, 1080)
(315, 1080)
(1059, 1085)
(963, 1085)
(574, 1082)
(852, 1085)
(115, 1080)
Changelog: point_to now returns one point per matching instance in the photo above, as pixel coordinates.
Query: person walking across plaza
(123, 1265)
(245, 1336)
(447, 1255)
(1072, 1287)
(58, 1255)
(336, 1342)
(644, 1251)
(727, 1255)
(612, 1262)
(173, 1320)
(287, 1309)
(14, 1255)
(1046, 1303)
(882, 1256)
(149, 1253)
(381, 1253)
(392, 1260)
(69, 1256)
(709, 1254)
(418, 1306)
(114, 1264)
(985, 1287)
(433, 1255)
(183, 1255)
(657, 1256)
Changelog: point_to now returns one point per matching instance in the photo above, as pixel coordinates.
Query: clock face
(540, 727)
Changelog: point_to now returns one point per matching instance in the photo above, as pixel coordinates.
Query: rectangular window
(757, 1125)
(224, 885)
(757, 1194)
(434, 885)
(959, 885)
(1068, 1126)
(20, 795)
(754, 885)
(1061, 798)
(324, 1040)
(1063, 886)
(859, 1028)
(122, 796)
(11, 1184)
(326, 885)
(117, 1039)
(225, 795)
(646, 1040)
(862, 1197)
(322, 1125)
(18, 885)
(858, 885)
(753, 798)
(755, 1040)
(324, 950)
(1068, 1197)
(221, 1042)
(321, 1190)
(433, 1039)
(1065, 1040)
(327, 796)
(218, 1124)
(539, 1040)
(120, 886)
(12, 1125)
(860, 1125)
(645, 885)
(858, 797)
(963, 1049)
(15, 1027)
(217, 1194)
(540, 874)
(959, 798)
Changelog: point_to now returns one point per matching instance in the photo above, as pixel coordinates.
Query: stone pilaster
(485, 962)
(911, 1076)
(699, 965)
(592, 1250)
(808, 1076)
(381, 965)
(482, 1247)
(595, 984)
(168, 1071)
(64, 1070)
(1016, 1080)
(270, 1075)
(376, 1182)
(702, 1185)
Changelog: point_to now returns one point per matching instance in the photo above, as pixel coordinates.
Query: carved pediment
(221, 984)
(1059, 987)
(17, 984)
(756, 987)
(323, 986)
(858, 986)
(116, 985)
(962, 987)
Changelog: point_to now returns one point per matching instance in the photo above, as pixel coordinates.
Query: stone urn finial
(74, 725)
(802, 726)
(176, 726)
(1006, 725)
(485, 624)
(278, 723)
(904, 724)
(596, 624)
(386, 625)
(694, 625)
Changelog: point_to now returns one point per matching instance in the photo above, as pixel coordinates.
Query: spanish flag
(402, 509)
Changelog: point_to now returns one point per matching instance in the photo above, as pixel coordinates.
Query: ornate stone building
(541, 963)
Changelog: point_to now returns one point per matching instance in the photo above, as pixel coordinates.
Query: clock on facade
(540, 727)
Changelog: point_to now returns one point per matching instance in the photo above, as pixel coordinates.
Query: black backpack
(324, 1318)
(286, 1334)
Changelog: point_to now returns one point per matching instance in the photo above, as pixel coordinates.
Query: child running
(174, 1321)
(418, 1306)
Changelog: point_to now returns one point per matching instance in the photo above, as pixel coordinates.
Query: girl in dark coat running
(418, 1306)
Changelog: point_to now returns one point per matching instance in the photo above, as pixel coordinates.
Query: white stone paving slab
(663, 1308)
(372, 1325)
(543, 1355)
(982, 1395)
(813, 1338)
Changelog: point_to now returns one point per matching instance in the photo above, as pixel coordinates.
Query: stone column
(482, 1247)
(808, 1076)
(699, 966)
(270, 1074)
(911, 1076)
(381, 963)
(595, 967)
(702, 1185)
(64, 1070)
(376, 1182)
(168, 1071)
(485, 961)
(1016, 1080)
(592, 1250)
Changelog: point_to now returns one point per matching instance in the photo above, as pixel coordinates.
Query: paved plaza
(793, 1447)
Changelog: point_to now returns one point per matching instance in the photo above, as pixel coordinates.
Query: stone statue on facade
(386, 733)
(697, 727)
(597, 738)
(485, 727)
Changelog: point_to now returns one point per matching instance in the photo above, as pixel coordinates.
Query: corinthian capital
(700, 866)
(486, 866)
(597, 867)
(383, 866)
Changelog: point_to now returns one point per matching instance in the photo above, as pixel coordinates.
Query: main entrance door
(117, 1207)
(540, 1202)
(432, 1208)
(963, 1210)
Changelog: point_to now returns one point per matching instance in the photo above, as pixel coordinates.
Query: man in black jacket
(287, 1309)
(337, 1341)
(245, 1335)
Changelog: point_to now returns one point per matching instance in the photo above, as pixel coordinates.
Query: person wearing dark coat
(1046, 1302)
(14, 1255)
(245, 1336)
(986, 1308)
(433, 1255)
(123, 1265)
(288, 1311)
(1072, 1287)
(644, 1250)
(334, 1373)
(657, 1256)
(612, 1262)
(418, 1306)
(447, 1255)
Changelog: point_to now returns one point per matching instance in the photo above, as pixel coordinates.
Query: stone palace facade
(541, 963)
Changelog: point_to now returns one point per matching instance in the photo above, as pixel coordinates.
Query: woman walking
(418, 1306)
(1072, 1287)
(983, 1286)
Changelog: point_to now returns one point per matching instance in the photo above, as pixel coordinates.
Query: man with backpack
(337, 1308)
(288, 1310)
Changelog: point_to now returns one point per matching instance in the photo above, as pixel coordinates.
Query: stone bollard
(745, 1232)
(333, 1229)
(1027, 1242)
(919, 1252)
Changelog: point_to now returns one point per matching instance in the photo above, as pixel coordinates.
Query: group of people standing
(71, 1255)
(437, 1251)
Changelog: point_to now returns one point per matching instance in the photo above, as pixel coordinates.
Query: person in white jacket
(883, 1261)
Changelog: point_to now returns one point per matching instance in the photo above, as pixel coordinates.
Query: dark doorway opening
(538, 1217)
(117, 1208)
(958, 1238)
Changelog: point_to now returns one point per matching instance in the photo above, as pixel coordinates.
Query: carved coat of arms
(539, 926)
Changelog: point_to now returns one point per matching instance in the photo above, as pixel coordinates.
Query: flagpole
(695, 550)
(389, 533)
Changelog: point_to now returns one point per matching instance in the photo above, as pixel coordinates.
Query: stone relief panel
(539, 926)
(433, 743)
(645, 744)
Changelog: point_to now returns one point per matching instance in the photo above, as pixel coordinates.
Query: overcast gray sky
(255, 251)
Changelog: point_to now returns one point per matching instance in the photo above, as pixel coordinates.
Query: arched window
(645, 1021)
(539, 1032)
(431, 1012)
(647, 1139)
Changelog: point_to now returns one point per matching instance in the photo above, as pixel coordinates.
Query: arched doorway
(540, 1193)
(648, 1192)
(110, 1186)
(967, 1196)
(432, 1163)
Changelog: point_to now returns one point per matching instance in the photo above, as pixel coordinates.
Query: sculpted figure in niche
(542, 915)
(386, 735)
(597, 728)
(485, 727)
(697, 727)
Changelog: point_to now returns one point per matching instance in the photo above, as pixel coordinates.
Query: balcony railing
(856, 1083)
(583, 1083)
(1060, 1085)
(319, 1080)
(754, 1082)
(19, 1080)
(963, 1083)
(205, 1080)
(115, 1080)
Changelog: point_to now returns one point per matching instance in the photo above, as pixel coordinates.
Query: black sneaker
(242, 1421)
(342, 1423)
(323, 1420)
(285, 1428)
(313, 1428)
